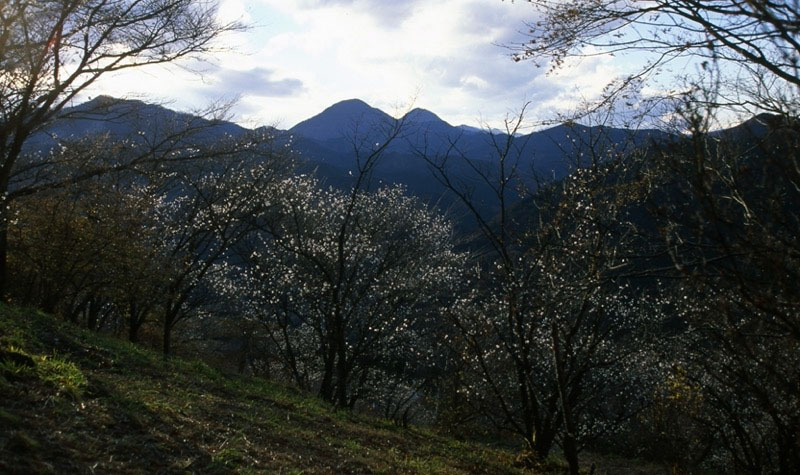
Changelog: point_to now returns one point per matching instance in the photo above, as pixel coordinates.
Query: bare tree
(51, 51)
(72, 250)
(756, 44)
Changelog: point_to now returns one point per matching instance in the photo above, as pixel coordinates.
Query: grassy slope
(72, 401)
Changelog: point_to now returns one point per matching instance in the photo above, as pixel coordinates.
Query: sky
(300, 56)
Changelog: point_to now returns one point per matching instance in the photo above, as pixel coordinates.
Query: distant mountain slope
(131, 120)
(328, 137)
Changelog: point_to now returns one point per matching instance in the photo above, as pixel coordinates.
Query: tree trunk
(244, 356)
(527, 409)
(92, 317)
(135, 321)
(167, 346)
(9, 152)
(542, 443)
(571, 453)
(570, 444)
(326, 388)
(341, 370)
(4, 297)
(133, 331)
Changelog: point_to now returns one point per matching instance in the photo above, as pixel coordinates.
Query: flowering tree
(347, 287)
(728, 214)
(725, 204)
(552, 331)
(206, 211)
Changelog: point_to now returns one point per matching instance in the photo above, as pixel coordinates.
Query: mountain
(469, 129)
(354, 116)
(758, 126)
(467, 155)
(421, 116)
(342, 120)
(325, 142)
(426, 128)
(130, 120)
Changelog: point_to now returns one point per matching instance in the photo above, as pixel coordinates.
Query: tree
(206, 211)
(347, 286)
(756, 44)
(164, 193)
(51, 51)
(727, 210)
(550, 331)
(726, 203)
(346, 283)
(77, 252)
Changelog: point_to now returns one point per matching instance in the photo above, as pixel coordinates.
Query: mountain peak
(419, 116)
(103, 100)
(340, 119)
(103, 103)
(348, 107)
(354, 102)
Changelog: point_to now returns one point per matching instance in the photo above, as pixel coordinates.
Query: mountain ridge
(325, 144)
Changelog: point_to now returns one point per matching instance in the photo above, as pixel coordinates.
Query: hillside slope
(75, 402)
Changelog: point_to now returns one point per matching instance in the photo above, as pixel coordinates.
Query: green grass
(76, 402)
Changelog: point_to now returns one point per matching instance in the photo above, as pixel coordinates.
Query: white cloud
(475, 82)
(259, 82)
(580, 80)
(305, 55)
(233, 11)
